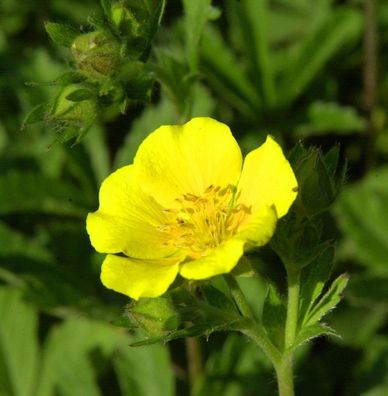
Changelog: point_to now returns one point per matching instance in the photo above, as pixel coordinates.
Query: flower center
(203, 222)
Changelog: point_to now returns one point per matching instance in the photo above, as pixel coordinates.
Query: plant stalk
(293, 280)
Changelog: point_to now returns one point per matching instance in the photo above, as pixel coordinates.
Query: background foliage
(298, 69)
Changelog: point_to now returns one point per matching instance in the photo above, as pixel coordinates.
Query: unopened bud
(96, 54)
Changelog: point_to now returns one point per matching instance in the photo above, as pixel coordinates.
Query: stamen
(203, 222)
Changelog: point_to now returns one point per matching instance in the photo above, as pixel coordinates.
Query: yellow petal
(259, 227)
(138, 278)
(179, 159)
(127, 219)
(267, 179)
(221, 260)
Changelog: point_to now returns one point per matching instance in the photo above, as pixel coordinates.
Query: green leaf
(254, 21)
(225, 74)
(274, 316)
(218, 299)
(80, 94)
(314, 279)
(67, 361)
(61, 34)
(106, 6)
(144, 371)
(13, 243)
(196, 14)
(367, 290)
(363, 218)
(19, 354)
(33, 192)
(341, 27)
(324, 118)
(308, 333)
(328, 301)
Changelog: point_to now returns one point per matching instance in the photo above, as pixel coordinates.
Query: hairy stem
(292, 308)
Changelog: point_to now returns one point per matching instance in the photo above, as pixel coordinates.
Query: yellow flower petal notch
(187, 205)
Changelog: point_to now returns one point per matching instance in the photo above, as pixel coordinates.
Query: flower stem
(284, 376)
(238, 296)
(293, 279)
(253, 330)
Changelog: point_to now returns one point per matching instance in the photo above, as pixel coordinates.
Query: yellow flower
(187, 205)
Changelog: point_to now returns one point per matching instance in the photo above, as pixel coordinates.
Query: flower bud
(131, 24)
(155, 315)
(70, 112)
(96, 54)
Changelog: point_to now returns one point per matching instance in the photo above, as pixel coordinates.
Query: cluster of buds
(108, 66)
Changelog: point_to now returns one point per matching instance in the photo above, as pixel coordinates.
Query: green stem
(282, 362)
(239, 298)
(252, 329)
(285, 377)
(292, 308)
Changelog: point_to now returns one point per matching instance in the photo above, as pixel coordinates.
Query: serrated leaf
(318, 272)
(308, 333)
(328, 301)
(61, 34)
(274, 316)
(37, 114)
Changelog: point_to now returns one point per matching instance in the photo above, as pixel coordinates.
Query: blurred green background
(310, 70)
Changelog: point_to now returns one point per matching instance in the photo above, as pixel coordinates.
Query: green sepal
(80, 94)
(274, 316)
(61, 34)
(37, 114)
(155, 316)
(319, 179)
(218, 299)
(65, 79)
(328, 301)
(297, 242)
